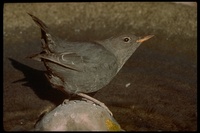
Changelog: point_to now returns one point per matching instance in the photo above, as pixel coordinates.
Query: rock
(78, 115)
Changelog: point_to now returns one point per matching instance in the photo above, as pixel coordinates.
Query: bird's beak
(144, 38)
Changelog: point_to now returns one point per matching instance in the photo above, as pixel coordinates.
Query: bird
(80, 68)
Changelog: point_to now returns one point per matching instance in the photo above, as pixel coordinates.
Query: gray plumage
(84, 67)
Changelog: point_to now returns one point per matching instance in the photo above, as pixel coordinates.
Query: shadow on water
(36, 80)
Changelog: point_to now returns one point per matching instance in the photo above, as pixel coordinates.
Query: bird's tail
(41, 24)
(47, 39)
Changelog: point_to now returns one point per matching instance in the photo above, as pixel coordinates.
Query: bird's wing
(79, 58)
(57, 59)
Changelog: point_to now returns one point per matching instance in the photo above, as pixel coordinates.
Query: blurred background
(161, 74)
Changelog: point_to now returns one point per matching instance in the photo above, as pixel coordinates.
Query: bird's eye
(127, 39)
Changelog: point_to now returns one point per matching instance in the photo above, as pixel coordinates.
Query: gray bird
(84, 67)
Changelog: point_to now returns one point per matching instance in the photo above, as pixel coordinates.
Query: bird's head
(123, 46)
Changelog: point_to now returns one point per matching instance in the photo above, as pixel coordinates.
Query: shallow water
(162, 74)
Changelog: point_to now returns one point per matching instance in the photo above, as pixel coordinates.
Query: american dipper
(84, 67)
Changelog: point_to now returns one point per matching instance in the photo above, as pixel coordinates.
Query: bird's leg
(95, 101)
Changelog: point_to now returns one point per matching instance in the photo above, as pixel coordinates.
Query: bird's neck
(122, 57)
(121, 54)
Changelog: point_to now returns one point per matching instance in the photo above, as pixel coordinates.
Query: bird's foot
(95, 101)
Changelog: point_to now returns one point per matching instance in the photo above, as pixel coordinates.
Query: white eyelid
(126, 38)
